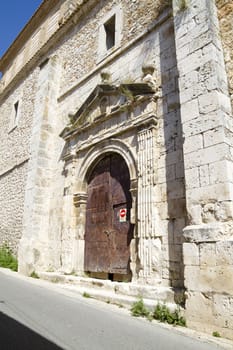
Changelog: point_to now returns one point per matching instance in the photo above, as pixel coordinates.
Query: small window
(16, 111)
(110, 33)
(15, 115)
(110, 27)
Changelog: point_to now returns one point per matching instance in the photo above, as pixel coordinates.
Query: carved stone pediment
(105, 101)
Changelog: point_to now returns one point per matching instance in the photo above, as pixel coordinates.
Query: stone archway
(83, 176)
(108, 231)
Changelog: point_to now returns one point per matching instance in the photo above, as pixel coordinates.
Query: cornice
(37, 18)
(65, 24)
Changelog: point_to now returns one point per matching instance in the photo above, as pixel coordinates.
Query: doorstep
(121, 293)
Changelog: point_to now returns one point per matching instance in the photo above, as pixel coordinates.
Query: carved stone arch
(98, 152)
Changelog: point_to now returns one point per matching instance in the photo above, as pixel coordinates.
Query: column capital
(79, 198)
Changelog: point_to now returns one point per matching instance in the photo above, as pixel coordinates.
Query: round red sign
(122, 213)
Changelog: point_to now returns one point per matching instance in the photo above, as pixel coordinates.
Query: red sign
(122, 214)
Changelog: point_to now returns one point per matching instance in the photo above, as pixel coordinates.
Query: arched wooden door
(108, 230)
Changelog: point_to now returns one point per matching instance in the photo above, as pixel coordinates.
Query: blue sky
(14, 15)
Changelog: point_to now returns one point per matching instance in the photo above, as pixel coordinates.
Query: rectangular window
(110, 28)
(15, 115)
(110, 33)
(16, 110)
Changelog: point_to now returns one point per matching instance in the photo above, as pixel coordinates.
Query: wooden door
(108, 233)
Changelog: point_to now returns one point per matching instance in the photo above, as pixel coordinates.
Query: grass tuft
(7, 259)
(163, 314)
(86, 295)
(160, 313)
(216, 334)
(138, 309)
(34, 275)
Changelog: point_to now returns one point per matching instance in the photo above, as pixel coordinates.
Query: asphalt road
(35, 315)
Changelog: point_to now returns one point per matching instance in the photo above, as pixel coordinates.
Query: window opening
(16, 109)
(109, 27)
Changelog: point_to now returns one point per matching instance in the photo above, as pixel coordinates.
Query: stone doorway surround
(122, 120)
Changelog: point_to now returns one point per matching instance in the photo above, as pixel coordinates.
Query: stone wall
(189, 237)
(15, 152)
(207, 129)
(225, 16)
(208, 276)
(12, 193)
(79, 50)
(125, 65)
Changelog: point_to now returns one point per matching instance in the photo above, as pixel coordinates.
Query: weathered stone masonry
(159, 94)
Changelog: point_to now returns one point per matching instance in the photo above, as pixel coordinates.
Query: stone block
(199, 307)
(211, 232)
(190, 254)
(207, 155)
(203, 123)
(188, 80)
(193, 143)
(218, 279)
(191, 276)
(213, 101)
(213, 136)
(224, 253)
(223, 306)
(220, 171)
(189, 110)
(202, 40)
(207, 254)
(191, 62)
(192, 178)
(204, 175)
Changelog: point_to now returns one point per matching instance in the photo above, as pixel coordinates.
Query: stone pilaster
(207, 129)
(147, 230)
(36, 250)
(205, 113)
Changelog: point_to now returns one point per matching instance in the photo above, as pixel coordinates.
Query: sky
(14, 15)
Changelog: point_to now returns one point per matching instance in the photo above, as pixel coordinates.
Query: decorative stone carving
(79, 199)
(147, 215)
(105, 77)
(148, 70)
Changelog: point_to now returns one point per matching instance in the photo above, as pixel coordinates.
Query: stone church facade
(116, 147)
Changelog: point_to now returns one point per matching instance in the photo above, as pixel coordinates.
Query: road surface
(34, 316)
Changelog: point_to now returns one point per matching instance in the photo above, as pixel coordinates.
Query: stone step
(121, 293)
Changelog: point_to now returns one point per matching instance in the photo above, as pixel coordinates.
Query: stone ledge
(114, 292)
(212, 232)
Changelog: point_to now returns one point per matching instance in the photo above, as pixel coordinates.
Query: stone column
(147, 216)
(207, 129)
(80, 202)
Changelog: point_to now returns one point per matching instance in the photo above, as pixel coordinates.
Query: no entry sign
(122, 214)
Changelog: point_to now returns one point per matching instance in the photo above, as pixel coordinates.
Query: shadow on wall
(14, 335)
(173, 153)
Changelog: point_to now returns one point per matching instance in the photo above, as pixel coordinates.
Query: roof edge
(37, 18)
